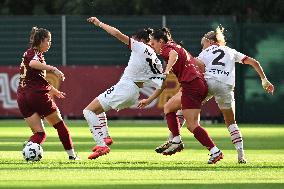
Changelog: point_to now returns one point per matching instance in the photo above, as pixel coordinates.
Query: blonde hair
(216, 36)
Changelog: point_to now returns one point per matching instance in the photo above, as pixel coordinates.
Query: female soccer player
(143, 69)
(194, 91)
(34, 92)
(219, 61)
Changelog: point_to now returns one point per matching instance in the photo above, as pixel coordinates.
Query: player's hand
(59, 74)
(94, 20)
(142, 103)
(57, 93)
(267, 86)
(166, 72)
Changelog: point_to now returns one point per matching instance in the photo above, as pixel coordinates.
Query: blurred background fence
(77, 43)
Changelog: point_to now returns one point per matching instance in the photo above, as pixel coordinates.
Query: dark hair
(144, 34)
(37, 36)
(163, 33)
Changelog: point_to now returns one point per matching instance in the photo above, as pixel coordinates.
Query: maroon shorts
(31, 102)
(193, 93)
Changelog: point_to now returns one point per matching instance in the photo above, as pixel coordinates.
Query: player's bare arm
(173, 57)
(109, 29)
(267, 86)
(144, 102)
(39, 66)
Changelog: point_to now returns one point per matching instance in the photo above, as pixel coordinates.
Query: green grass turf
(132, 162)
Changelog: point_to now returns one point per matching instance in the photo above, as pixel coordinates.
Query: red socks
(202, 136)
(173, 123)
(38, 137)
(64, 135)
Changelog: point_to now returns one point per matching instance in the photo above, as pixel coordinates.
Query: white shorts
(223, 93)
(122, 95)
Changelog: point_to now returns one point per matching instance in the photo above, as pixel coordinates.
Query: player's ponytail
(216, 36)
(32, 34)
(37, 35)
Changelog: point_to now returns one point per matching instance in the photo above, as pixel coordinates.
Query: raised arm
(109, 29)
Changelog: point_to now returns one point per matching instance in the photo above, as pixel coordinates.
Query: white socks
(236, 136)
(103, 122)
(177, 139)
(71, 153)
(214, 150)
(95, 127)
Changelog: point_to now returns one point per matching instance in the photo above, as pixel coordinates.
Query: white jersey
(143, 65)
(220, 63)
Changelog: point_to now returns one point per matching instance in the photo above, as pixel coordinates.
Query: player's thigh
(192, 117)
(35, 123)
(54, 117)
(95, 106)
(173, 104)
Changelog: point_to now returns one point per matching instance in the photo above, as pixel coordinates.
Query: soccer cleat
(72, 158)
(242, 161)
(174, 148)
(215, 157)
(108, 141)
(100, 151)
(163, 147)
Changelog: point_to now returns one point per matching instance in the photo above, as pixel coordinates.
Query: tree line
(243, 10)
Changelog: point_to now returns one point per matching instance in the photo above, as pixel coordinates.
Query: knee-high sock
(236, 136)
(173, 123)
(202, 136)
(95, 127)
(103, 123)
(64, 135)
(38, 137)
(180, 118)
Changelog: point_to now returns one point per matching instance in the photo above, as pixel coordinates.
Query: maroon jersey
(185, 68)
(31, 78)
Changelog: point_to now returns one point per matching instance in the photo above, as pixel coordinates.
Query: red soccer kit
(33, 91)
(194, 87)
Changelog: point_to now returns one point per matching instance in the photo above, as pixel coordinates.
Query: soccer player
(143, 69)
(219, 61)
(34, 92)
(193, 92)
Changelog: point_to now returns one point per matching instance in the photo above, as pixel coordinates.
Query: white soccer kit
(143, 66)
(220, 73)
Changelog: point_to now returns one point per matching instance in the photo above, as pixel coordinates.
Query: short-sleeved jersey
(220, 63)
(185, 68)
(143, 65)
(32, 78)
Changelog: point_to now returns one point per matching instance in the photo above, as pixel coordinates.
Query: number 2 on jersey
(219, 57)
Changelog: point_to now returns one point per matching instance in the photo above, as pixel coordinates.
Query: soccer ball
(32, 152)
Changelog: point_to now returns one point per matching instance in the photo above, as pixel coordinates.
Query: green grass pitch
(133, 163)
